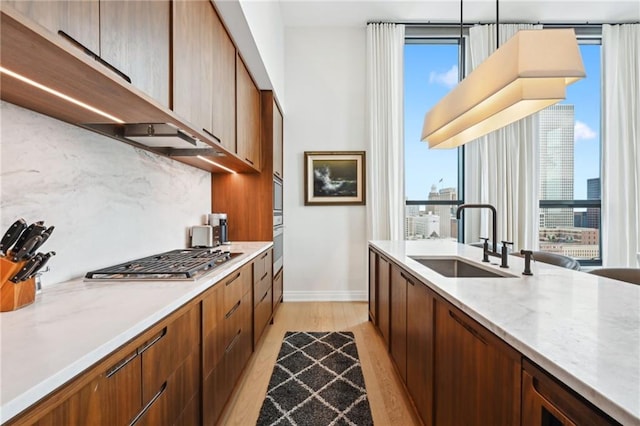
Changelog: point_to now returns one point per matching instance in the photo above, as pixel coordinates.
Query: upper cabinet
(224, 87)
(277, 142)
(135, 39)
(248, 116)
(192, 62)
(80, 20)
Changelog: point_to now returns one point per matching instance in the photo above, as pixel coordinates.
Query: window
(432, 178)
(570, 167)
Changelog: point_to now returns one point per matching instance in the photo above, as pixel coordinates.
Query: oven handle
(278, 230)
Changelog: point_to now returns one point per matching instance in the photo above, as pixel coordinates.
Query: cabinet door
(384, 298)
(113, 397)
(545, 401)
(477, 376)
(224, 86)
(212, 329)
(373, 263)
(278, 164)
(80, 19)
(398, 322)
(135, 38)
(248, 116)
(193, 22)
(420, 347)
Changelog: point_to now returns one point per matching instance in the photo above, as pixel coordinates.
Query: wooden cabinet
(248, 116)
(262, 294)
(477, 375)
(278, 142)
(398, 320)
(545, 401)
(373, 274)
(420, 347)
(79, 19)
(148, 381)
(227, 339)
(384, 298)
(277, 290)
(224, 87)
(135, 39)
(193, 38)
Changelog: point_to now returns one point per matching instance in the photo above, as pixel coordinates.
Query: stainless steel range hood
(162, 138)
(159, 135)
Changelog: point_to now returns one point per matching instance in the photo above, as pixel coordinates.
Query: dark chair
(554, 259)
(630, 275)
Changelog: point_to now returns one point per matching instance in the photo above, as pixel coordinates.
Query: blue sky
(431, 71)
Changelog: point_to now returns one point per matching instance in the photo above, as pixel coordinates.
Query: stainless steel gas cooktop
(175, 265)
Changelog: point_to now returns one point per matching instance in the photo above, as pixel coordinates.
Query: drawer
(262, 315)
(277, 289)
(261, 265)
(166, 404)
(236, 285)
(233, 320)
(260, 288)
(165, 351)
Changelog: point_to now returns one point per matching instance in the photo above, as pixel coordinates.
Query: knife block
(15, 296)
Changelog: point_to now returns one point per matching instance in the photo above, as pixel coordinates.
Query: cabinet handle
(94, 56)
(406, 278)
(232, 279)
(212, 135)
(235, 308)
(153, 341)
(468, 327)
(149, 404)
(278, 174)
(233, 342)
(248, 161)
(264, 297)
(113, 370)
(266, 253)
(264, 276)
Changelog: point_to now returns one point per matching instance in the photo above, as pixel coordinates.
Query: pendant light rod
(497, 25)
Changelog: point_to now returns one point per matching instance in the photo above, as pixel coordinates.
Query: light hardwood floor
(387, 397)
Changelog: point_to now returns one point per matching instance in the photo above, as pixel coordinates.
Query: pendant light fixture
(523, 76)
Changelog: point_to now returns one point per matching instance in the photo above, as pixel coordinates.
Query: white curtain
(502, 168)
(385, 174)
(620, 149)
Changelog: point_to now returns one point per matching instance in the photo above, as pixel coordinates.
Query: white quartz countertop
(73, 325)
(581, 328)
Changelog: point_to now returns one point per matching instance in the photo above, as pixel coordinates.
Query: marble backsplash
(109, 202)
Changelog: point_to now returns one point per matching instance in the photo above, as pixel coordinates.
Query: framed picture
(334, 178)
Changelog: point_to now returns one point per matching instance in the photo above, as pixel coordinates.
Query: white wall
(108, 201)
(324, 246)
(257, 29)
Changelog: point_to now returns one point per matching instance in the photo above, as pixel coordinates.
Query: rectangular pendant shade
(525, 75)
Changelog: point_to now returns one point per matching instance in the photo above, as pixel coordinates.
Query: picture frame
(334, 178)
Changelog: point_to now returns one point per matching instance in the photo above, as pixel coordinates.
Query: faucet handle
(505, 243)
(528, 254)
(485, 249)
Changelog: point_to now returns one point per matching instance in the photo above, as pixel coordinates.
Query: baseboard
(326, 296)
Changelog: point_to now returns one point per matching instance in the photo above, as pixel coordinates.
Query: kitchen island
(76, 324)
(582, 329)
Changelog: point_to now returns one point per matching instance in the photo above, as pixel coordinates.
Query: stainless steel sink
(454, 267)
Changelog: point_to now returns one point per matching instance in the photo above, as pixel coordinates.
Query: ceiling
(355, 13)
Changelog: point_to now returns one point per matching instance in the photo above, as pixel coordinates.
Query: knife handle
(26, 270)
(23, 252)
(12, 235)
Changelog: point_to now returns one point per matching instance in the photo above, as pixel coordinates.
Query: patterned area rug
(317, 381)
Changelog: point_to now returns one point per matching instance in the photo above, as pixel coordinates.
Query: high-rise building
(556, 128)
(444, 212)
(593, 213)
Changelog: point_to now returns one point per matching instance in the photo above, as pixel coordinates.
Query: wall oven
(278, 226)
